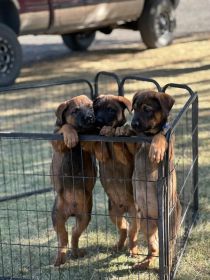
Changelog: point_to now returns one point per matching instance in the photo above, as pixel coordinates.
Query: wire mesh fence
(32, 235)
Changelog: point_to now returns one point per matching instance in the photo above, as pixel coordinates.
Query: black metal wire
(137, 78)
(45, 84)
(101, 75)
(87, 138)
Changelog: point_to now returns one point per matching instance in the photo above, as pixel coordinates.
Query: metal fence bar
(137, 78)
(88, 138)
(173, 273)
(25, 86)
(181, 86)
(195, 151)
(12, 278)
(108, 74)
(161, 196)
(190, 101)
(25, 194)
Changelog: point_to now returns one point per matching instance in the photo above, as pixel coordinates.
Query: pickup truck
(77, 22)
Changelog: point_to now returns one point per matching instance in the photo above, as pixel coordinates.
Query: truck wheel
(157, 23)
(10, 56)
(79, 41)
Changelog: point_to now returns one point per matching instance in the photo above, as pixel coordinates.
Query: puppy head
(151, 110)
(78, 112)
(109, 110)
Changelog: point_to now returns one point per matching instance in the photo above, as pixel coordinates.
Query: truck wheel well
(9, 15)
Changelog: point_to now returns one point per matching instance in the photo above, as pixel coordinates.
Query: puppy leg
(81, 224)
(150, 230)
(122, 153)
(133, 231)
(101, 152)
(121, 223)
(158, 148)
(82, 220)
(59, 220)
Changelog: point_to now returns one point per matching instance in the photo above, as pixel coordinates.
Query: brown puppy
(151, 110)
(73, 174)
(115, 175)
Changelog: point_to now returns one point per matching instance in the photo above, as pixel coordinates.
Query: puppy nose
(135, 124)
(89, 119)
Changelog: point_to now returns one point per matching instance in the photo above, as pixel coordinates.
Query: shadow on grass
(110, 266)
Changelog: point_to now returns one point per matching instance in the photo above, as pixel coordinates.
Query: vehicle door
(68, 15)
(104, 12)
(34, 15)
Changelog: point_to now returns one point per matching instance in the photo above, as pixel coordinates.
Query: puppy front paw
(60, 259)
(158, 148)
(107, 131)
(70, 136)
(124, 130)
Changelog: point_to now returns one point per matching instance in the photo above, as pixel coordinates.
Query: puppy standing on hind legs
(115, 176)
(73, 174)
(151, 111)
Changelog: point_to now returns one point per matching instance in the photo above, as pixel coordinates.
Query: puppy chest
(145, 196)
(144, 169)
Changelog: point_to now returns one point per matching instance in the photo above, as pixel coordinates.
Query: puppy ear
(59, 113)
(97, 100)
(125, 102)
(140, 95)
(166, 102)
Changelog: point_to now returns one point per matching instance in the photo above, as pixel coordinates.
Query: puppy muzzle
(89, 119)
(135, 124)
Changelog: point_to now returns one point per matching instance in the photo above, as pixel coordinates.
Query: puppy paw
(124, 130)
(145, 264)
(61, 259)
(107, 131)
(78, 253)
(134, 252)
(158, 148)
(117, 248)
(70, 136)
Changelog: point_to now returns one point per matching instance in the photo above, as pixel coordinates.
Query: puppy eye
(75, 110)
(147, 109)
(110, 110)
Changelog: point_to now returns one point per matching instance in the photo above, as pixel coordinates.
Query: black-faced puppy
(151, 110)
(73, 173)
(116, 169)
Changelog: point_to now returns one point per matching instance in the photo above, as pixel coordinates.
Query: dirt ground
(186, 61)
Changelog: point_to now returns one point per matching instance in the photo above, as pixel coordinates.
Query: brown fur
(116, 168)
(145, 173)
(73, 173)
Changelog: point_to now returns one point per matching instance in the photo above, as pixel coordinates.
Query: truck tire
(79, 41)
(10, 56)
(157, 23)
